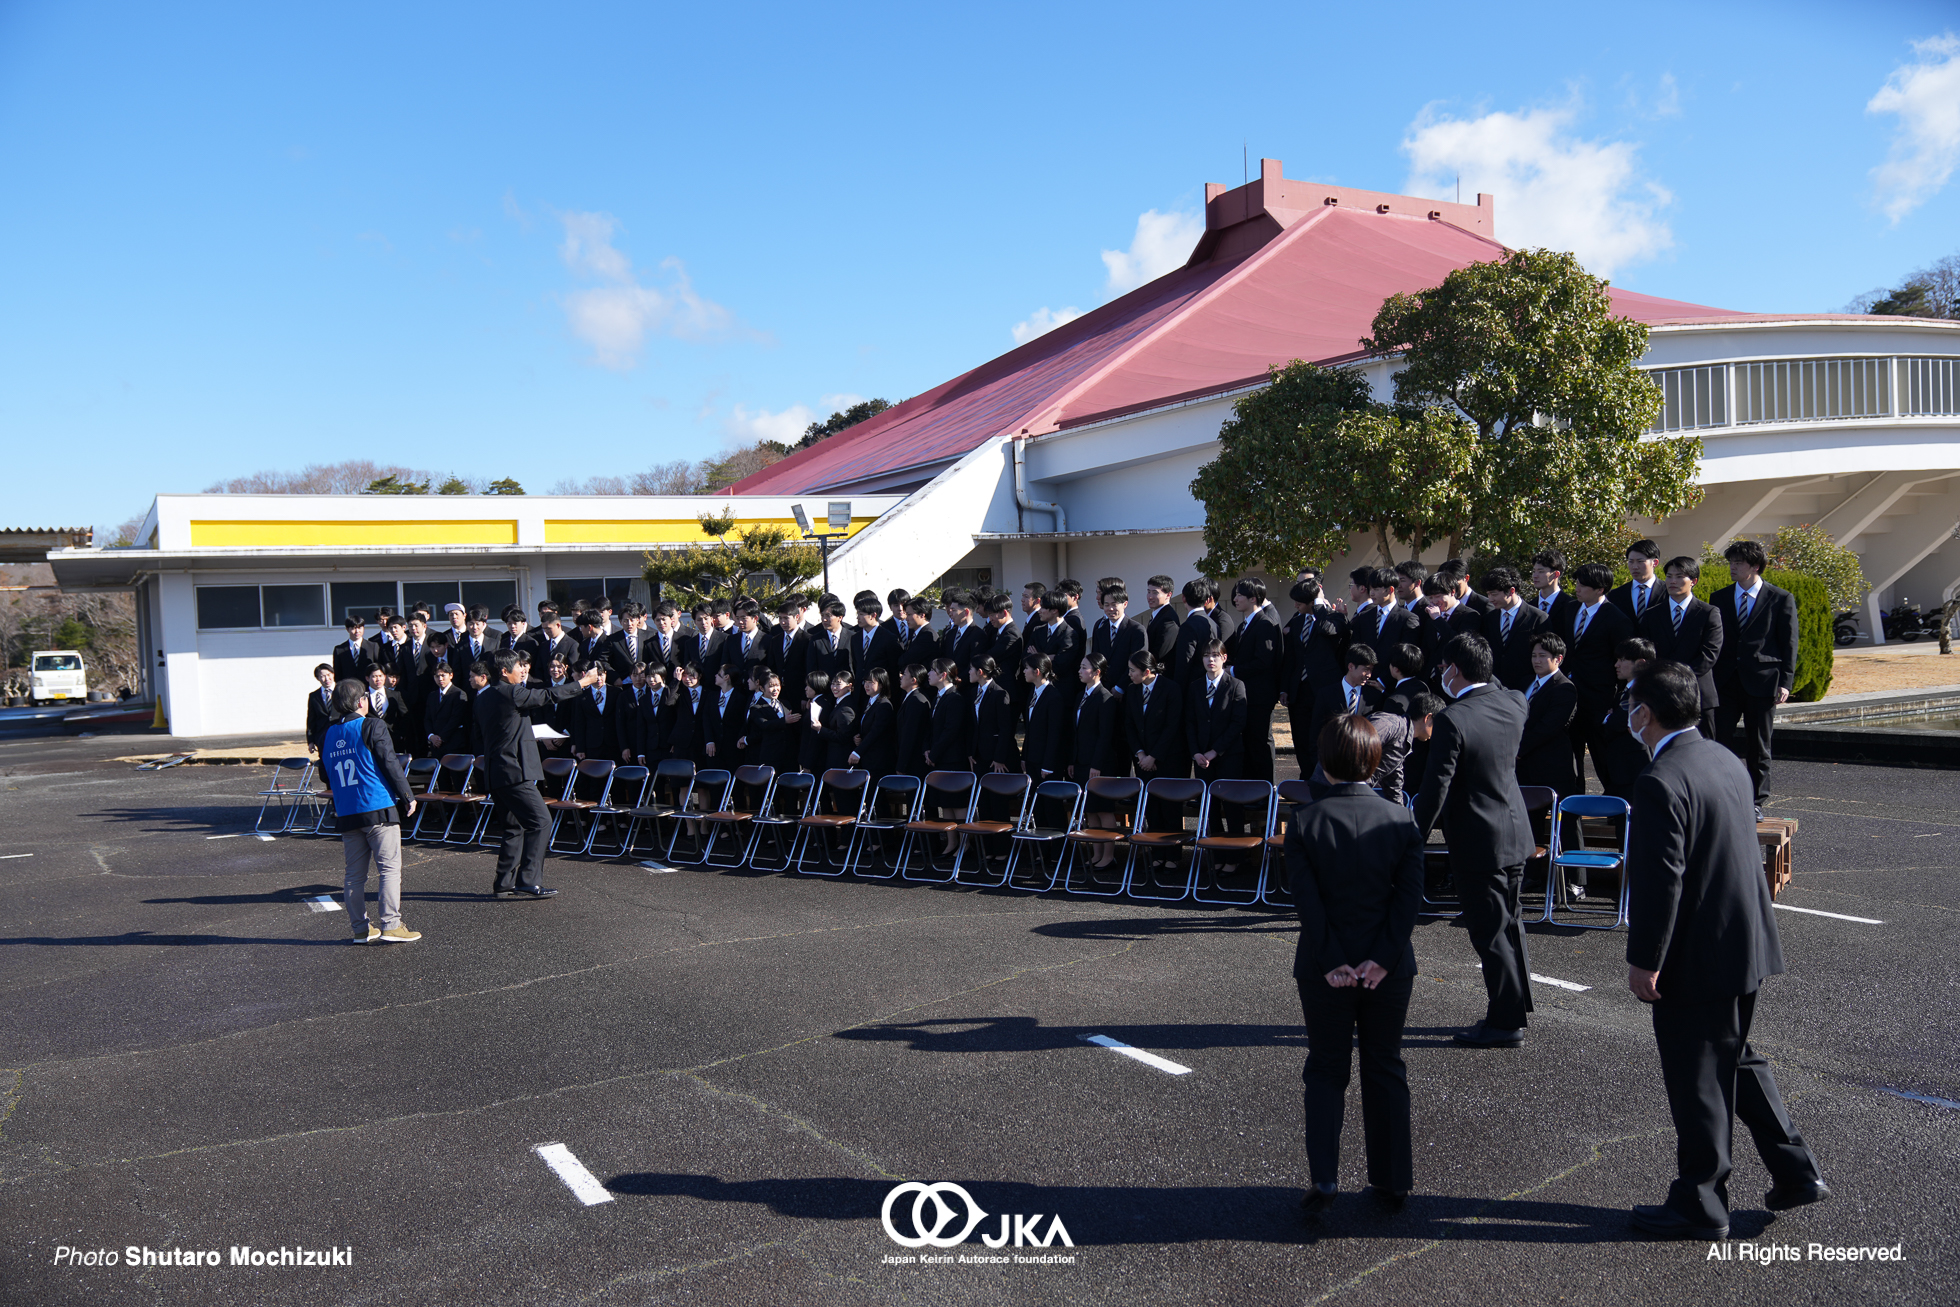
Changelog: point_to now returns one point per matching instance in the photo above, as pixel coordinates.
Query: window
(567, 592)
(363, 599)
(1812, 390)
(1691, 397)
(432, 595)
(57, 663)
(293, 605)
(221, 607)
(494, 595)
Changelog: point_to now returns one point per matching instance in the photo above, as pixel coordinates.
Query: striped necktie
(1680, 611)
(1742, 606)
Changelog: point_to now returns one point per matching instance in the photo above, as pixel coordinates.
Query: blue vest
(356, 782)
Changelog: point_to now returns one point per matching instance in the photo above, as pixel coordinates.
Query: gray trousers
(382, 845)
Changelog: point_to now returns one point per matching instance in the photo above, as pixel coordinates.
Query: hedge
(1816, 647)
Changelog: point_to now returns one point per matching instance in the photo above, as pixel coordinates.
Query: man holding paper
(510, 752)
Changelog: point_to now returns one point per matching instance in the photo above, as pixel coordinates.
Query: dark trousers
(1490, 909)
(1260, 756)
(1743, 722)
(526, 828)
(1299, 714)
(1712, 1077)
(1334, 1018)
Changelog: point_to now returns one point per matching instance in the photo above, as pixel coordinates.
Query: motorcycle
(1906, 622)
(1844, 627)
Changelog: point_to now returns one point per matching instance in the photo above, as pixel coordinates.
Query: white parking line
(1813, 912)
(261, 835)
(321, 903)
(5, 856)
(1562, 984)
(659, 868)
(584, 1185)
(1148, 1059)
(234, 835)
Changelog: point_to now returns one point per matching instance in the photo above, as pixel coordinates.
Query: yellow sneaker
(397, 935)
(368, 936)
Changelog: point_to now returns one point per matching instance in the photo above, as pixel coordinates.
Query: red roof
(1307, 288)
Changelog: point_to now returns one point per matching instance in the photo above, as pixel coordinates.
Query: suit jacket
(787, 652)
(1513, 655)
(914, 732)
(1758, 656)
(838, 731)
(347, 666)
(1621, 597)
(1154, 726)
(1545, 754)
(1698, 644)
(702, 648)
(644, 724)
(595, 730)
(1382, 633)
(1589, 660)
(1097, 734)
(743, 664)
(415, 672)
(1354, 863)
(883, 651)
(1560, 616)
(1699, 911)
(541, 649)
(503, 731)
(1313, 661)
(1257, 657)
(962, 647)
(723, 727)
(949, 744)
(1063, 645)
(446, 715)
(460, 657)
(1187, 659)
(319, 716)
(1005, 646)
(1160, 633)
(1216, 722)
(994, 718)
(1116, 644)
(619, 658)
(684, 735)
(1046, 750)
(1396, 735)
(771, 739)
(820, 656)
(877, 738)
(1331, 702)
(1470, 783)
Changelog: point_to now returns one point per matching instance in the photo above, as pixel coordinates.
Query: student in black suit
(547, 643)
(445, 717)
(876, 750)
(1160, 623)
(769, 734)
(1549, 597)
(1069, 591)
(1214, 718)
(1409, 577)
(595, 721)
(1354, 865)
(872, 643)
(1044, 755)
(914, 721)
(1198, 631)
(1096, 750)
(1005, 646)
(386, 705)
(811, 748)
(992, 745)
(1471, 787)
(1701, 938)
(1401, 679)
(1456, 574)
(1385, 623)
(745, 647)
(589, 641)
(1545, 749)
(787, 647)
(1116, 635)
(701, 644)
(353, 656)
(917, 643)
(1644, 585)
(319, 708)
(1153, 714)
(1052, 637)
(625, 649)
(836, 725)
(554, 713)
(1449, 617)
(724, 711)
(1592, 633)
(1315, 640)
(1508, 628)
(517, 628)
(643, 733)
(963, 639)
(1758, 662)
(1620, 751)
(1686, 630)
(503, 732)
(1256, 658)
(949, 745)
(685, 737)
(829, 649)
(473, 645)
(1355, 692)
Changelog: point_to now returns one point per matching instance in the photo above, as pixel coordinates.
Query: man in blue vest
(369, 790)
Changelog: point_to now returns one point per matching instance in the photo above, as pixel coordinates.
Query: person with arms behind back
(357, 755)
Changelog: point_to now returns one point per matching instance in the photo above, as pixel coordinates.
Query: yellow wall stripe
(566, 531)
(289, 535)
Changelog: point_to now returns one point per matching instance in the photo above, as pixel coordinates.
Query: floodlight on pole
(802, 518)
(837, 518)
(840, 515)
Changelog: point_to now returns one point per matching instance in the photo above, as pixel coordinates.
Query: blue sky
(554, 242)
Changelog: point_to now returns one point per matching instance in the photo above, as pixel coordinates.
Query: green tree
(394, 485)
(1811, 550)
(454, 485)
(836, 422)
(1527, 349)
(505, 486)
(762, 563)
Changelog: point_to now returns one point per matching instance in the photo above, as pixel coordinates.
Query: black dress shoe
(1388, 1200)
(1318, 1199)
(503, 894)
(1782, 1197)
(1482, 1035)
(1663, 1222)
(534, 892)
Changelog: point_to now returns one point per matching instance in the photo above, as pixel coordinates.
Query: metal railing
(1804, 390)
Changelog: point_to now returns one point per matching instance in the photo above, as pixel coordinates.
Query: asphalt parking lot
(193, 1058)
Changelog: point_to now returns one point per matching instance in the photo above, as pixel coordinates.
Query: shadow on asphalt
(1106, 1215)
(181, 821)
(148, 937)
(1025, 1034)
(1265, 923)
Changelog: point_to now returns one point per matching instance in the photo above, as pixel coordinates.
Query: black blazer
(883, 652)
(460, 657)
(684, 733)
(1513, 656)
(744, 664)
(618, 658)
(914, 733)
(1256, 657)
(1545, 754)
(1116, 644)
(1187, 658)
(1005, 646)
(542, 649)
(1098, 737)
(702, 648)
(1698, 644)
(1217, 722)
(1401, 626)
(1621, 597)
(643, 727)
(786, 655)
(1758, 656)
(1315, 661)
(1354, 864)
(319, 716)
(1560, 616)
(1699, 911)
(721, 728)
(877, 738)
(347, 666)
(1330, 703)
(1589, 660)
(962, 647)
(1156, 728)
(993, 729)
(952, 732)
(446, 715)
(595, 730)
(1047, 747)
(838, 731)
(770, 738)
(1063, 645)
(1470, 783)
(503, 730)
(818, 656)
(1160, 634)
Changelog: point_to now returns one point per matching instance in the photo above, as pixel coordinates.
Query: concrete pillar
(178, 686)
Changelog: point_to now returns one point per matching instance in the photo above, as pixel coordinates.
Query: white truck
(57, 676)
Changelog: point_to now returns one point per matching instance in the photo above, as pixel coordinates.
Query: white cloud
(1553, 189)
(1926, 97)
(787, 427)
(614, 318)
(1668, 103)
(1042, 321)
(1162, 243)
(838, 403)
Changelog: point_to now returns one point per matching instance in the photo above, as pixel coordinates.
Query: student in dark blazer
(625, 649)
(1199, 630)
(595, 721)
(914, 720)
(1701, 938)
(746, 646)
(877, 726)
(386, 704)
(1508, 628)
(811, 747)
(769, 735)
(1044, 755)
(685, 738)
(1153, 712)
(549, 641)
(445, 726)
(1387, 622)
(1401, 680)
(724, 710)
(353, 656)
(837, 725)
(1449, 617)
(872, 643)
(1356, 692)
(1354, 865)
(1592, 632)
(1160, 622)
(1116, 635)
(993, 747)
(786, 649)
(1644, 583)
(648, 715)
(1685, 630)
(1758, 663)
(701, 643)
(1052, 637)
(949, 745)
(1547, 592)
(1214, 718)
(964, 637)
(472, 645)
(1255, 658)
(1005, 646)
(1315, 643)
(319, 707)
(1097, 739)
(1470, 785)
(503, 732)
(1545, 749)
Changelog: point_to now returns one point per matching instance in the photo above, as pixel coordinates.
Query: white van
(57, 675)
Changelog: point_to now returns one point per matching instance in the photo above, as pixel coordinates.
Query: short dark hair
(1252, 588)
(512, 613)
(1212, 647)
(1436, 583)
(322, 667)
(546, 611)
(999, 602)
(871, 606)
(919, 606)
(1415, 572)
(478, 668)
(1593, 576)
(1425, 704)
(1163, 583)
(1197, 590)
(347, 697)
(1645, 548)
(1690, 566)
(1305, 592)
(1070, 587)
(1035, 588)
(1549, 641)
(506, 659)
(1499, 579)
(896, 598)
(817, 682)
(1116, 594)
(1671, 694)
(1350, 748)
(1747, 551)
(1363, 575)
(1406, 659)
(355, 622)
(835, 608)
(1634, 649)
(1452, 567)
(476, 613)
(1470, 655)
(1052, 602)
(1361, 655)
(1383, 579)
(666, 608)
(633, 608)
(1549, 559)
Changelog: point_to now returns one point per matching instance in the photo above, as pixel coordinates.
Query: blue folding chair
(1579, 807)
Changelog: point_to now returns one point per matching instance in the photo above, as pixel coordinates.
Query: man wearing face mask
(1700, 940)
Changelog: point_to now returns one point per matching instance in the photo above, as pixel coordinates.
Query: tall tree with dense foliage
(762, 563)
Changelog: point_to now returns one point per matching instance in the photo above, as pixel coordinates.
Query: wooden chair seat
(580, 804)
(1096, 835)
(984, 827)
(933, 827)
(829, 819)
(1161, 838)
(1241, 843)
(727, 816)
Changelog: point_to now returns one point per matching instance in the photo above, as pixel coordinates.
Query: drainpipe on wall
(1022, 501)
